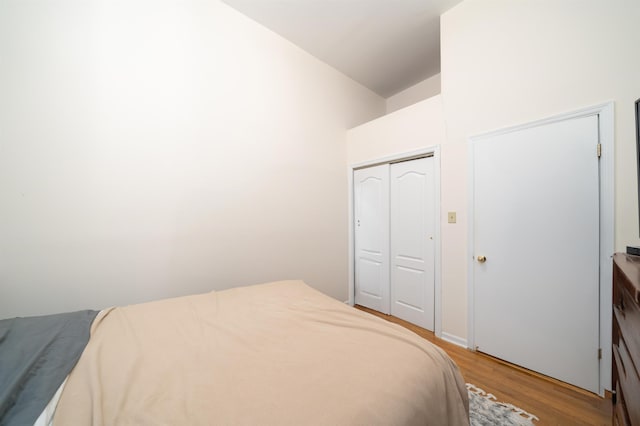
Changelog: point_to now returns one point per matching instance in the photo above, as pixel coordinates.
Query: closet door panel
(371, 217)
(412, 289)
(412, 225)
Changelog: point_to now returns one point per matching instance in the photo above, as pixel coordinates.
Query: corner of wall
(418, 92)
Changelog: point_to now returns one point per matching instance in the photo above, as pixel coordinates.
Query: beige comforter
(273, 354)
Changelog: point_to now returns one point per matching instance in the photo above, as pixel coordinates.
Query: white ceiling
(386, 45)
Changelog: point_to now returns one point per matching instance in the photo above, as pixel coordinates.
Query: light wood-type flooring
(553, 402)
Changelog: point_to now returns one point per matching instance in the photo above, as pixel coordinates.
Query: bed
(280, 353)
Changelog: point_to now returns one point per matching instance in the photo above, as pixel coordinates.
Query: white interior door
(536, 220)
(412, 241)
(371, 208)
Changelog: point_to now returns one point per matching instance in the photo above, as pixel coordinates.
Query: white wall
(418, 126)
(425, 89)
(151, 149)
(506, 62)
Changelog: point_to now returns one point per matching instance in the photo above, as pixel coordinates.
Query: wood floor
(554, 403)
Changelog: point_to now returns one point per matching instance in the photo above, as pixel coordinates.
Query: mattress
(273, 354)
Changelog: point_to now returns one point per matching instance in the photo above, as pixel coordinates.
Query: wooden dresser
(626, 339)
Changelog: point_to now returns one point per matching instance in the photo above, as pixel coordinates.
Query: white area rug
(485, 410)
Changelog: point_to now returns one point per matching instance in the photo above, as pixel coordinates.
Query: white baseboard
(459, 341)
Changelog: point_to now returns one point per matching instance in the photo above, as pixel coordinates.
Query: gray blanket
(36, 355)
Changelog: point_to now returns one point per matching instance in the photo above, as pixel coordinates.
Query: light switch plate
(451, 217)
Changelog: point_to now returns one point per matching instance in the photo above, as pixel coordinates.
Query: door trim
(405, 156)
(605, 112)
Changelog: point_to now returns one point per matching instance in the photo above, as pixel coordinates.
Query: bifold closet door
(412, 226)
(371, 216)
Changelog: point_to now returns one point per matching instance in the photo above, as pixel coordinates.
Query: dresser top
(630, 266)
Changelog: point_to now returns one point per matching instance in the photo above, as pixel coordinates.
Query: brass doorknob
(482, 259)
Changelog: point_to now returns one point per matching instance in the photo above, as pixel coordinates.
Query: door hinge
(599, 353)
(599, 150)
